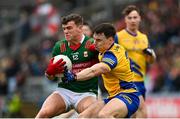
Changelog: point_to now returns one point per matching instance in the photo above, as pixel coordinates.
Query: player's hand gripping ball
(57, 65)
(68, 64)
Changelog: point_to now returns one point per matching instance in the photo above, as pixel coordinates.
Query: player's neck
(132, 31)
(77, 40)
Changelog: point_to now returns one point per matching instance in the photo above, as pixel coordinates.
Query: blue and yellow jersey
(120, 77)
(134, 45)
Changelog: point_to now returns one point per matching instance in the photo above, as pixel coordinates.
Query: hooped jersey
(120, 77)
(134, 45)
(81, 58)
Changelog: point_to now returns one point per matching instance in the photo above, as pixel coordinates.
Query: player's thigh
(115, 108)
(142, 105)
(85, 102)
(142, 110)
(54, 104)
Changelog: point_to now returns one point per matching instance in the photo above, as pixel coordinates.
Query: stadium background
(29, 29)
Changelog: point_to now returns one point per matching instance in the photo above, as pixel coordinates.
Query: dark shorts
(130, 99)
(141, 88)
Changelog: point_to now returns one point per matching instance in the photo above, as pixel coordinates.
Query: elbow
(101, 70)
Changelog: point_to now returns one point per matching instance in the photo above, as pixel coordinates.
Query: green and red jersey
(81, 58)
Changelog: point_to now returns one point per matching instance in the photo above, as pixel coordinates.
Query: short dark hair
(106, 28)
(78, 19)
(129, 9)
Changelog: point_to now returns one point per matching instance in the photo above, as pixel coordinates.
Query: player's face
(132, 20)
(100, 42)
(71, 30)
(86, 30)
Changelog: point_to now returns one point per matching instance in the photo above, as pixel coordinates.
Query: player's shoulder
(142, 34)
(118, 46)
(89, 38)
(61, 41)
(117, 49)
(121, 32)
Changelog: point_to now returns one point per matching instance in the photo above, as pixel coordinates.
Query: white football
(66, 59)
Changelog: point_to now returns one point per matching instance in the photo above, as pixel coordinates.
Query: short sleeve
(110, 59)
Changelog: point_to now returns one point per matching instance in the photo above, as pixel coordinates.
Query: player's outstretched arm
(87, 73)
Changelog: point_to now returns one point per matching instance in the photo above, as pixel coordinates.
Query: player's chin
(134, 26)
(68, 37)
(98, 49)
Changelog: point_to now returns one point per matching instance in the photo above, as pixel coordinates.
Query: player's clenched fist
(55, 68)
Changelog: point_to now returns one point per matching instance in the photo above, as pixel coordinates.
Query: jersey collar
(131, 33)
(75, 47)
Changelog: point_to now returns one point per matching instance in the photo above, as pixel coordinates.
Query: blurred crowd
(28, 42)
(164, 35)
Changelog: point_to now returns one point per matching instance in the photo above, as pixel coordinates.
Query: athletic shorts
(130, 99)
(71, 98)
(141, 88)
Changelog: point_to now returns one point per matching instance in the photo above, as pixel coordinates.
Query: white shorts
(71, 98)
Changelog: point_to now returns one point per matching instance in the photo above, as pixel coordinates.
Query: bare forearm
(91, 72)
(86, 74)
